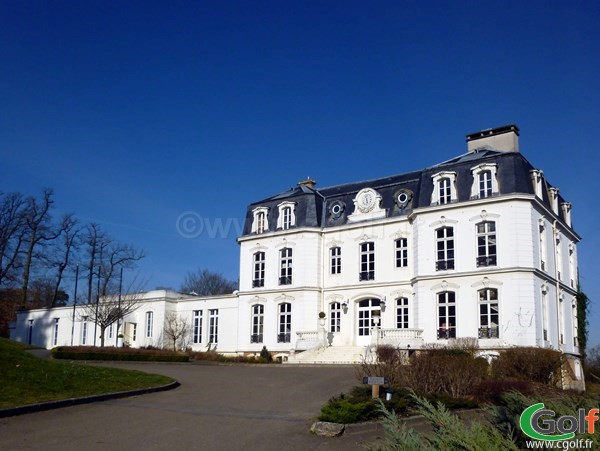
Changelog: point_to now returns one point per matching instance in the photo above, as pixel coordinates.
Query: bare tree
(111, 309)
(12, 234)
(116, 256)
(93, 239)
(39, 230)
(69, 233)
(176, 330)
(206, 283)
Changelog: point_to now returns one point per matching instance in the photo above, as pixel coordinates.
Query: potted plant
(120, 340)
(322, 318)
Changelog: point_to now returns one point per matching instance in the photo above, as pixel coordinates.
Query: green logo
(532, 426)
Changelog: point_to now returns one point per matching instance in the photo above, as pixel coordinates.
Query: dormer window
(261, 221)
(287, 217)
(444, 188)
(485, 181)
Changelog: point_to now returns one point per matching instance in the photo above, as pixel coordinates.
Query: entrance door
(365, 320)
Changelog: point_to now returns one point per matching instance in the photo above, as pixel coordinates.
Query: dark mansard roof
(313, 206)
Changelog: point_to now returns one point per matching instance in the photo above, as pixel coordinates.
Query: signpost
(374, 382)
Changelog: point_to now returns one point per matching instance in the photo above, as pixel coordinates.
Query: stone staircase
(339, 355)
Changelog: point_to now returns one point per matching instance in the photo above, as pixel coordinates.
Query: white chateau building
(477, 246)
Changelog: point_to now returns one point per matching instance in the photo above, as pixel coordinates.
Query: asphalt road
(235, 407)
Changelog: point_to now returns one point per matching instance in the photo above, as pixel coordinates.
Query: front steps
(339, 355)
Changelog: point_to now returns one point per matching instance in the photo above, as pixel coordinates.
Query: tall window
(335, 316)
(149, 321)
(486, 243)
(258, 277)
(285, 323)
(197, 326)
(287, 218)
(367, 261)
(258, 319)
(402, 313)
(260, 222)
(335, 257)
(545, 315)
(111, 330)
(401, 253)
(213, 326)
(542, 228)
(488, 313)
(445, 191)
(574, 322)
(285, 267)
(55, 333)
(84, 330)
(445, 248)
(133, 331)
(485, 184)
(446, 314)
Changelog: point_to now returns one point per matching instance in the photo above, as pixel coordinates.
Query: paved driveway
(216, 408)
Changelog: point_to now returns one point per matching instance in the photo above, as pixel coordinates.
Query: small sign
(374, 380)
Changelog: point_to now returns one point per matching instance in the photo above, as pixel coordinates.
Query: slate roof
(313, 205)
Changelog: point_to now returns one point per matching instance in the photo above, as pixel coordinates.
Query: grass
(27, 379)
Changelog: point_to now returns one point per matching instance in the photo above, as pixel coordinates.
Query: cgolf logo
(538, 423)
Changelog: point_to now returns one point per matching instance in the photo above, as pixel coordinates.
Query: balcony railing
(366, 275)
(489, 332)
(285, 280)
(258, 283)
(256, 338)
(446, 333)
(442, 265)
(284, 338)
(490, 260)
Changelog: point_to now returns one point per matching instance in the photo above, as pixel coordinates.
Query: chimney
(505, 139)
(310, 183)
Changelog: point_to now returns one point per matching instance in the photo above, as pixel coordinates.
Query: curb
(31, 408)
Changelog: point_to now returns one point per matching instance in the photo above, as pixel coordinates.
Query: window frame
(257, 323)
(366, 261)
(446, 322)
(489, 320)
(335, 260)
(335, 317)
(446, 250)
(487, 244)
(401, 252)
(285, 266)
(402, 313)
(213, 326)
(149, 323)
(197, 319)
(284, 322)
(258, 269)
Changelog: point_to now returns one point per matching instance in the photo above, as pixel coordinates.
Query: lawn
(27, 379)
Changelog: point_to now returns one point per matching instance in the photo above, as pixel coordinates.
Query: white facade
(480, 246)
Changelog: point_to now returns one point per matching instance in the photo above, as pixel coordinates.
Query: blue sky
(136, 112)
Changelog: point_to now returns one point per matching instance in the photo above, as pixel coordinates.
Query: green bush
(343, 411)
(265, 354)
(119, 354)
